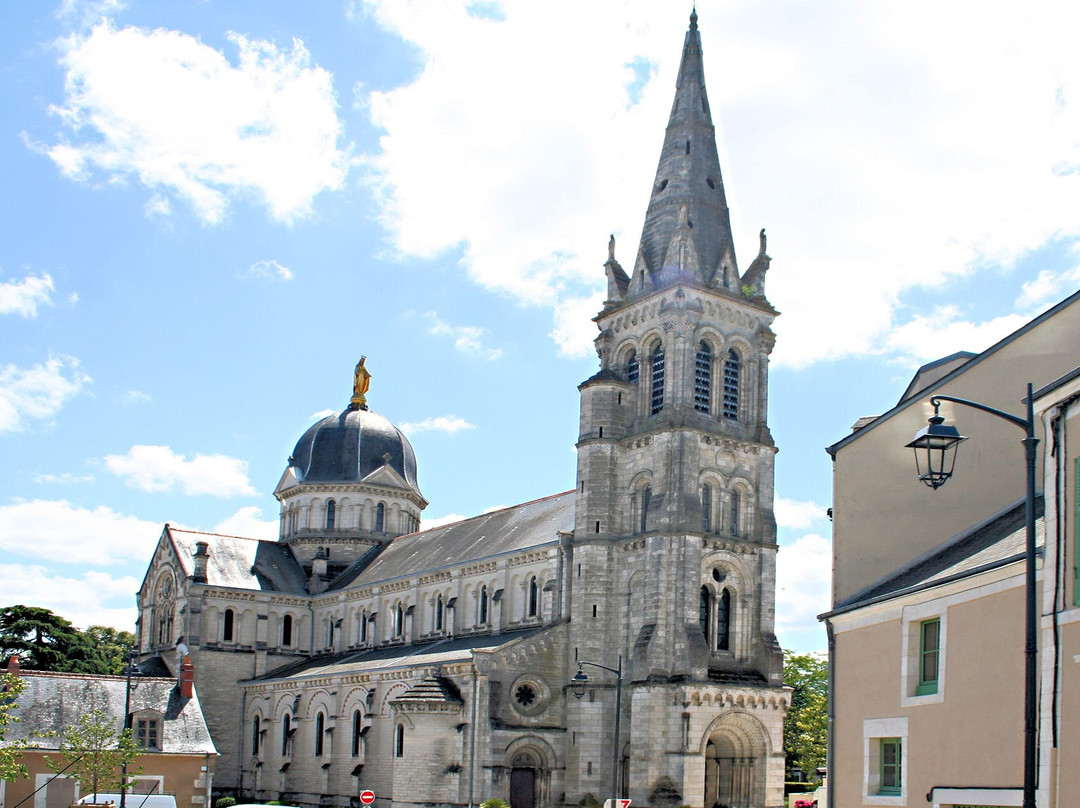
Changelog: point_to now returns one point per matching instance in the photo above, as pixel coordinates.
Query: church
(613, 640)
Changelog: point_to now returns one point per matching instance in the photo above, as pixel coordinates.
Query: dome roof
(349, 445)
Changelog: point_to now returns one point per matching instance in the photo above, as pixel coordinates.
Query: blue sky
(210, 210)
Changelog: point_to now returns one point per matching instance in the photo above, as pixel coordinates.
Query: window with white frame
(923, 653)
(885, 768)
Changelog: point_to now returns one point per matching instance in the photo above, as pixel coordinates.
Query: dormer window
(146, 726)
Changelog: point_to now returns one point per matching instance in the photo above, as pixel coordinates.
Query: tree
(10, 765)
(806, 729)
(112, 646)
(47, 641)
(95, 751)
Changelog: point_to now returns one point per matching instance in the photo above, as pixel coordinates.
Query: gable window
(438, 613)
(890, 768)
(632, 369)
(286, 733)
(331, 514)
(399, 620)
(148, 731)
(731, 386)
(363, 628)
(736, 506)
(380, 517)
(399, 741)
(483, 606)
(255, 730)
(929, 656)
(706, 508)
(286, 630)
(703, 378)
(657, 388)
(320, 731)
(227, 625)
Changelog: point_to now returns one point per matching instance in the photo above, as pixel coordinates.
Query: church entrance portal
(522, 788)
(735, 766)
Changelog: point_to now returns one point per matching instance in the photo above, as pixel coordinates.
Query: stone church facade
(433, 667)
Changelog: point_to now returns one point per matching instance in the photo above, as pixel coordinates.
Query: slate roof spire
(687, 232)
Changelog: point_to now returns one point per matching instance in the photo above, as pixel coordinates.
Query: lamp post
(577, 687)
(127, 723)
(935, 453)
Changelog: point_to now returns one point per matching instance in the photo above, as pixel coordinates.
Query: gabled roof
(239, 562)
(52, 701)
(995, 543)
(911, 400)
(498, 533)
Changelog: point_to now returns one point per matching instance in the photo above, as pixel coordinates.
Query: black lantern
(578, 683)
(935, 450)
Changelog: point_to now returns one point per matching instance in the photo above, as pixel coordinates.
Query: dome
(349, 445)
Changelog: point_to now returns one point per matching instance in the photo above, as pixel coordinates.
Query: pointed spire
(687, 177)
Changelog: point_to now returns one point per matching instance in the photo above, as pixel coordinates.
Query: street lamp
(577, 686)
(128, 670)
(935, 453)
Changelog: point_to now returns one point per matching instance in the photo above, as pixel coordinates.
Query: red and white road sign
(616, 803)
(367, 797)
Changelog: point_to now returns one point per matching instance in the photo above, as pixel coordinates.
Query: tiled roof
(241, 563)
(52, 701)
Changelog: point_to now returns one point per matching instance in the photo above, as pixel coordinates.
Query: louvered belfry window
(657, 379)
(703, 378)
(731, 386)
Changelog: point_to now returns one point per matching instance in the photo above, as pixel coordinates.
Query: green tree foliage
(95, 751)
(47, 642)
(806, 728)
(11, 766)
(112, 645)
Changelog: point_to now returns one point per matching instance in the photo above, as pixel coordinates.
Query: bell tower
(674, 527)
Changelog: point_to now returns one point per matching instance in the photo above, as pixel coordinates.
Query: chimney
(187, 678)
(202, 555)
(13, 665)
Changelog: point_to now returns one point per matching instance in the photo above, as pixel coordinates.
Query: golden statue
(361, 383)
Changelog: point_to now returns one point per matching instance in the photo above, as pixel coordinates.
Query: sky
(209, 211)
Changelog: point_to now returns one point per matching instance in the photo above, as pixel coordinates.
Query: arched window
(330, 632)
(731, 386)
(331, 514)
(399, 741)
(657, 389)
(286, 732)
(706, 508)
(286, 630)
(703, 378)
(255, 729)
(363, 626)
(483, 606)
(438, 613)
(703, 611)
(399, 620)
(357, 732)
(380, 517)
(320, 731)
(723, 621)
(736, 507)
(227, 625)
(632, 369)
(643, 508)
(534, 594)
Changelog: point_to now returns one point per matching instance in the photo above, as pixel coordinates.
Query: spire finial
(361, 383)
(693, 18)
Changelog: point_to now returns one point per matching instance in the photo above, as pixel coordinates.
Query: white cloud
(468, 339)
(91, 599)
(38, 392)
(439, 521)
(791, 513)
(879, 162)
(135, 397)
(803, 590)
(271, 270)
(318, 416)
(56, 529)
(574, 329)
(159, 469)
(63, 479)
(450, 424)
(23, 297)
(1047, 289)
(923, 336)
(246, 522)
(162, 108)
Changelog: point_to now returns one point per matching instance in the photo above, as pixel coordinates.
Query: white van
(131, 800)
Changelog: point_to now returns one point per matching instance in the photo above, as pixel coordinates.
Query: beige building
(166, 720)
(927, 626)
